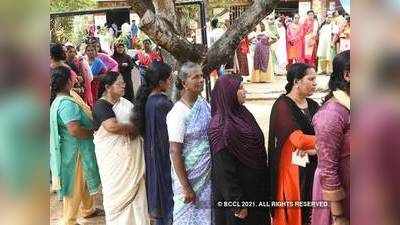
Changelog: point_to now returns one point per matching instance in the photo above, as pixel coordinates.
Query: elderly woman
(72, 157)
(151, 108)
(332, 130)
(119, 151)
(188, 123)
(240, 170)
(291, 133)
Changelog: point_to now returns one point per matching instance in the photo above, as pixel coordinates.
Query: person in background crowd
(280, 49)
(125, 66)
(110, 63)
(332, 132)
(151, 108)
(344, 36)
(261, 57)
(134, 32)
(309, 32)
(325, 45)
(240, 171)
(146, 57)
(188, 123)
(81, 68)
(241, 63)
(72, 159)
(273, 36)
(216, 32)
(96, 66)
(58, 58)
(291, 133)
(119, 152)
(294, 41)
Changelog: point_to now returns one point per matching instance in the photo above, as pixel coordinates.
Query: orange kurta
(288, 188)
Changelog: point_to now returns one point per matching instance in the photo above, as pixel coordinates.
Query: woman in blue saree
(151, 108)
(188, 123)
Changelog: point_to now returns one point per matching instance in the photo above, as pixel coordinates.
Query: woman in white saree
(120, 157)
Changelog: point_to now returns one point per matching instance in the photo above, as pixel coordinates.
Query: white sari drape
(122, 172)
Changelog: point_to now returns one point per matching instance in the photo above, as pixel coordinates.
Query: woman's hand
(241, 213)
(188, 195)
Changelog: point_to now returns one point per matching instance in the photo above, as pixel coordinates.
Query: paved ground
(260, 98)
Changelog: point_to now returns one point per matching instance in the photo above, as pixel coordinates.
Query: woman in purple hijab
(239, 158)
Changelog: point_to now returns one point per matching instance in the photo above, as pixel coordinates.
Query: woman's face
(91, 52)
(165, 85)
(117, 89)
(308, 84)
(120, 49)
(71, 53)
(241, 94)
(194, 82)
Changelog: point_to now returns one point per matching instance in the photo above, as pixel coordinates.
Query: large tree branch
(141, 6)
(163, 33)
(225, 47)
(166, 9)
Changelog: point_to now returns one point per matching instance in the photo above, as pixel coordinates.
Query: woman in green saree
(72, 158)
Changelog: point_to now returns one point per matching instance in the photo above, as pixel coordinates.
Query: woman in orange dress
(291, 131)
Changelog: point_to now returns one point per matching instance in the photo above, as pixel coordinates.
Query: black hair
(310, 11)
(57, 52)
(214, 23)
(296, 72)
(341, 64)
(108, 79)
(156, 73)
(59, 77)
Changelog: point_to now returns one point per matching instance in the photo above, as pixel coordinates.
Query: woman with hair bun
(188, 123)
(291, 131)
(151, 108)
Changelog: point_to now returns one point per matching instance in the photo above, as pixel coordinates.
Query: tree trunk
(160, 24)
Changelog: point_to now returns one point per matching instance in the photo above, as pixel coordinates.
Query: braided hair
(60, 76)
(153, 76)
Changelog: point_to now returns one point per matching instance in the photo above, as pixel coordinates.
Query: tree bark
(162, 32)
(166, 10)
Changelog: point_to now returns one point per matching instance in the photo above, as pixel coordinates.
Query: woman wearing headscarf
(151, 108)
(120, 157)
(125, 66)
(291, 134)
(332, 131)
(73, 162)
(240, 172)
(188, 123)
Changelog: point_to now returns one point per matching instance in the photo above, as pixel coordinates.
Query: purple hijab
(233, 127)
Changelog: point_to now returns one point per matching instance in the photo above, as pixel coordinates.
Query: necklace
(301, 105)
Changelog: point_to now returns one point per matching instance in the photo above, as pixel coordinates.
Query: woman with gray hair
(187, 124)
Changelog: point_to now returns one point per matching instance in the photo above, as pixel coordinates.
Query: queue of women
(183, 163)
(281, 41)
